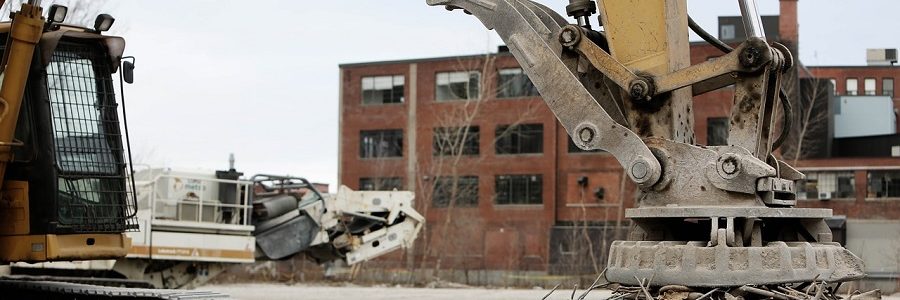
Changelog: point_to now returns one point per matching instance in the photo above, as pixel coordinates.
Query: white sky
(260, 78)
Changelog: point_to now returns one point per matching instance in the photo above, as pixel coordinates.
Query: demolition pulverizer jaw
(707, 217)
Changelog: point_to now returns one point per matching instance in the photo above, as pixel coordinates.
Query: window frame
(884, 84)
(473, 140)
(535, 179)
(855, 86)
(381, 133)
(874, 85)
(462, 181)
(501, 84)
(468, 88)
(517, 130)
(816, 177)
(379, 183)
(709, 122)
(373, 78)
(869, 182)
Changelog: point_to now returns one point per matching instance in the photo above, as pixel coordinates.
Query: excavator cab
(65, 192)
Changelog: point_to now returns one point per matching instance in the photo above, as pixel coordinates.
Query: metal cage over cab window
(87, 139)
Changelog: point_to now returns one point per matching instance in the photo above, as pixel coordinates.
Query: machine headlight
(103, 22)
(57, 13)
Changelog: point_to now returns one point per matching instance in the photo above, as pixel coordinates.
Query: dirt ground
(314, 292)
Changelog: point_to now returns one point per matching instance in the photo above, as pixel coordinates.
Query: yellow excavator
(62, 160)
(64, 189)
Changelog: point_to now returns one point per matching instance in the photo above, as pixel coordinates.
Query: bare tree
(442, 181)
(807, 136)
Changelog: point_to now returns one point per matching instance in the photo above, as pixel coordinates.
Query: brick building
(525, 199)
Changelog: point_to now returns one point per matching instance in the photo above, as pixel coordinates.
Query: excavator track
(43, 287)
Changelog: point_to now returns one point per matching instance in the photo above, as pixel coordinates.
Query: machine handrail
(244, 205)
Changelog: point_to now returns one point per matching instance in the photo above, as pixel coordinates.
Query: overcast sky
(260, 78)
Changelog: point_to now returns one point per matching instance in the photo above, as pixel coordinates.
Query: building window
(381, 143)
(514, 83)
(887, 87)
(520, 139)
(463, 194)
(827, 185)
(380, 183)
(575, 149)
(456, 140)
(884, 184)
(833, 86)
(519, 189)
(726, 32)
(869, 85)
(457, 85)
(717, 131)
(852, 86)
(382, 89)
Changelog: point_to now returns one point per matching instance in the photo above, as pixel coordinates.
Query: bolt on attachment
(639, 90)
(586, 134)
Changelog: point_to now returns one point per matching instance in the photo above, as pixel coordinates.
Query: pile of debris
(816, 290)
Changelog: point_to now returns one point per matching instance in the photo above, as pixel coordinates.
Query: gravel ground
(314, 292)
